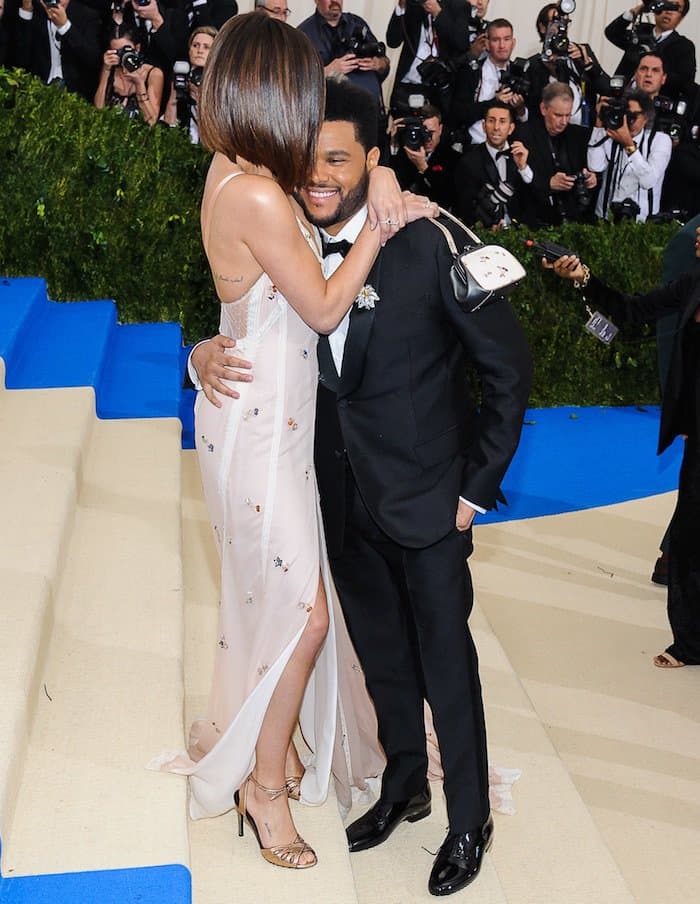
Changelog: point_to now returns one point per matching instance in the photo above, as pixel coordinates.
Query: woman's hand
(110, 59)
(386, 206)
(568, 266)
(419, 207)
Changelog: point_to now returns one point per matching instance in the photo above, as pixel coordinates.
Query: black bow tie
(500, 154)
(342, 247)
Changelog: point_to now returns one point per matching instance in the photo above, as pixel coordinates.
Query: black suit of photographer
(591, 80)
(79, 47)
(475, 169)
(405, 32)
(549, 155)
(437, 182)
(677, 52)
(214, 13)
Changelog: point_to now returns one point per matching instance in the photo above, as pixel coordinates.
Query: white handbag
(480, 273)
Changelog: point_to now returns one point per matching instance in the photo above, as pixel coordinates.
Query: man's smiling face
(337, 188)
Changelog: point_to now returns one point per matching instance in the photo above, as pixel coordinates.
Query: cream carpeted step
(109, 689)
(45, 433)
(227, 868)
(569, 599)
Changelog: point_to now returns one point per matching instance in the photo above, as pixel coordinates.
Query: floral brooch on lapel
(366, 298)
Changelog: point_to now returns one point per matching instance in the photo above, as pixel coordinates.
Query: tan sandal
(286, 855)
(666, 661)
(293, 785)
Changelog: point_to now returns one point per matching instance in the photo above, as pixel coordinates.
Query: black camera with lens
(435, 73)
(413, 133)
(516, 78)
(670, 116)
(492, 203)
(359, 44)
(195, 76)
(582, 194)
(129, 58)
(51, 4)
(612, 112)
(627, 209)
(674, 215)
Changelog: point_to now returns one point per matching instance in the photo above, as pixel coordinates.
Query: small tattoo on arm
(233, 279)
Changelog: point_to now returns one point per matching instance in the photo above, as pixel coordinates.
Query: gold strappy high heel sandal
(293, 785)
(286, 855)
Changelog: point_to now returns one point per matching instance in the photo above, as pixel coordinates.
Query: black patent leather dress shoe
(459, 859)
(379, 821)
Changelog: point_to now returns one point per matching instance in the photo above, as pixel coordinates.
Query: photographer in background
(421, 156)
(347, 45)
(562, 187)
(496, 76)
(127, 81)
(424, 32)
(562, 60)
(163, 32)
(492, 180)
(630, 157)
(275, 9)
(5, 40)
(181, 108)
(633, 36)
(58, 41)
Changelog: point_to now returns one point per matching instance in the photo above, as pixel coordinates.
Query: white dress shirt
(427, 47)
(55, 35)
(633, 175)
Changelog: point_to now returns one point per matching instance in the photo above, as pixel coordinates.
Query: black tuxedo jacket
(550, 207)
(591, 82)
(214, 13)
(80, 48)
(677, 52)
(682, 296)
(401, 414)
(474, 170)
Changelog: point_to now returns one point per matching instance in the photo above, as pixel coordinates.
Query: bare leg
(273, 818)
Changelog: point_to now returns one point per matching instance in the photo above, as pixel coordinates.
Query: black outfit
(677, 52)
(211, 12)
(168, 43)
(591, 81)
(398, 440)
(680, 415)
(405, 32)
(79, 48)
(331, 43)
(550, 154)
(475, 169)
(437, 182)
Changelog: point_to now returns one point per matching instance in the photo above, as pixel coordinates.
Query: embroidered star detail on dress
(366, 297)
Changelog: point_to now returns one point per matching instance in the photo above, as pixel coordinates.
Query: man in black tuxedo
(59, 44)
(485, 168)
(680, 416)
(677, 51)
(404, 459)
(557, 156)
(428, 168)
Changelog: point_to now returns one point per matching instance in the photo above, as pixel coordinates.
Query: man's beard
(347, 206)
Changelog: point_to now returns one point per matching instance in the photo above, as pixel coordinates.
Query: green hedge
(104, 207)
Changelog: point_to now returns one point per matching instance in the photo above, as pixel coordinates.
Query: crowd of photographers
(495, 137)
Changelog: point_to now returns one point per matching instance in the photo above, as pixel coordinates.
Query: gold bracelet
(586, 276)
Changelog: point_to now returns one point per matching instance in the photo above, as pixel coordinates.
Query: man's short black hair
(346, 102)
(652, 53)
(498, 105)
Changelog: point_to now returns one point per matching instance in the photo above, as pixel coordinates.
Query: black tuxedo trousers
(406, 611)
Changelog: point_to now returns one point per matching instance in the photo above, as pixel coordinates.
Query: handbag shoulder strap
(448, 235)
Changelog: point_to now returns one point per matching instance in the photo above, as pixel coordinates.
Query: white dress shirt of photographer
(631, 161)
(500, 44)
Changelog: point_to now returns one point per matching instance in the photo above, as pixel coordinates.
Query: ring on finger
(390, 222)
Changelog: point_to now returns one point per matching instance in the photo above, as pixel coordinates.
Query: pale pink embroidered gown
(256, 460)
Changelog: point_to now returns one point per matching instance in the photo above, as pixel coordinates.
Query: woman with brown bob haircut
(279, 640)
